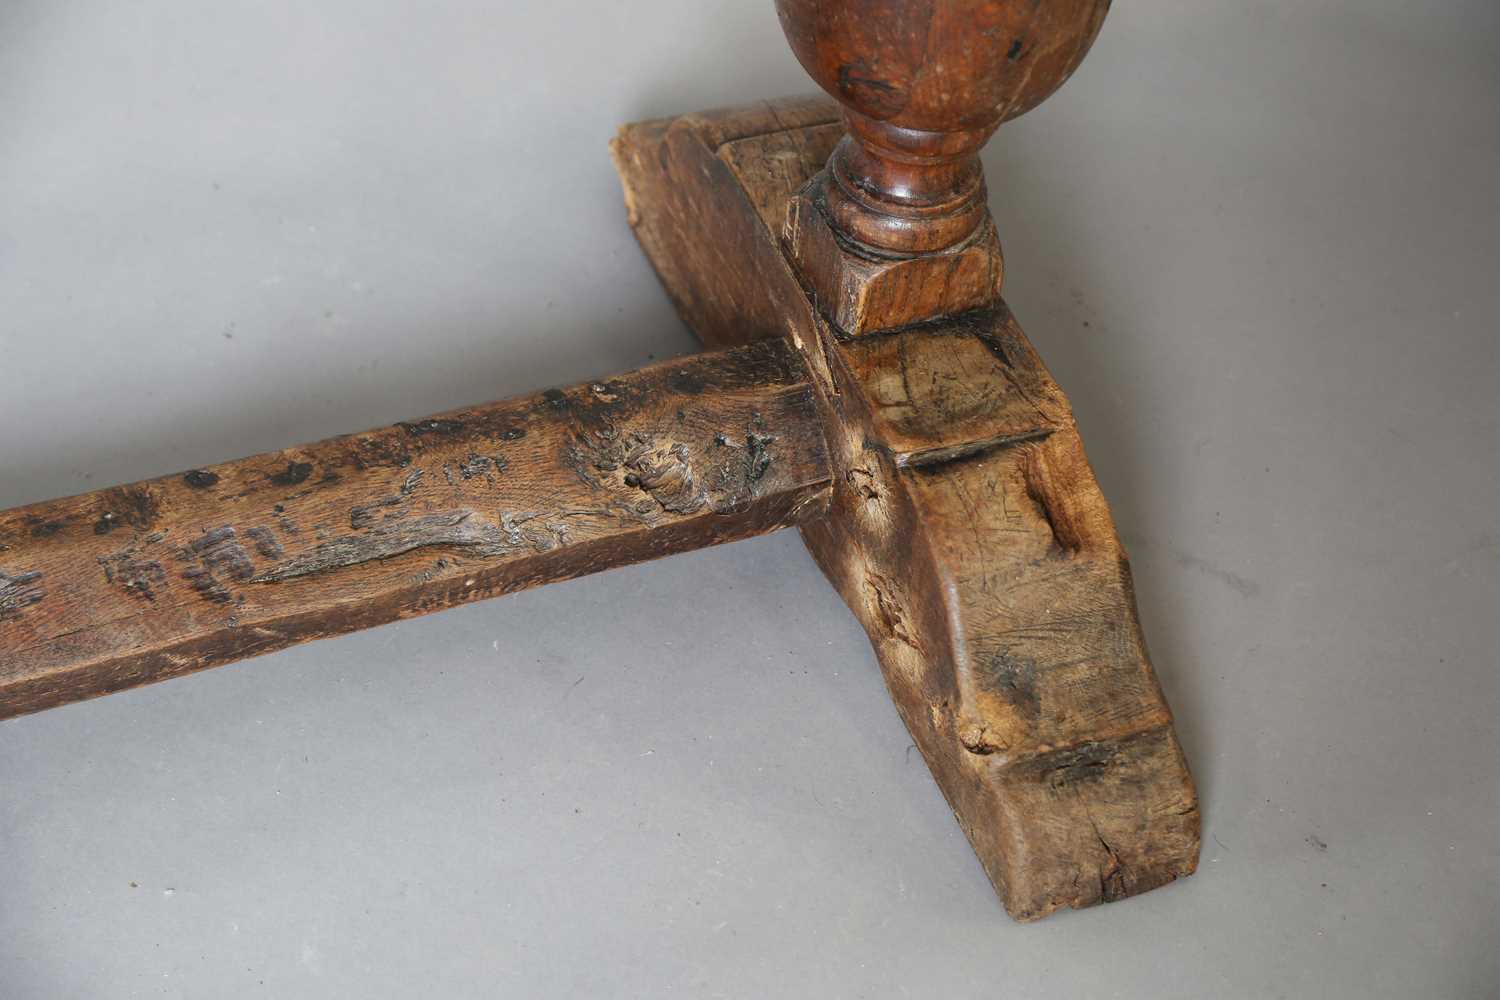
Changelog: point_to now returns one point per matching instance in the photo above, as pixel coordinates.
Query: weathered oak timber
(139, 583)
(966, 531)
(873, 389)
(736, 287)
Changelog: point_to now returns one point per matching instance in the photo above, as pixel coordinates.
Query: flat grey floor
(1258, 243)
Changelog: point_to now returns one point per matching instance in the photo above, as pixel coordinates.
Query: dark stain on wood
(1011, 675)
(131, 505)
(687, 383)
(1087, 762)
(433, 426)
(383, 451)
(858, 82)
(19, 591)
(43, 529)
(293, 474)
(200, 479)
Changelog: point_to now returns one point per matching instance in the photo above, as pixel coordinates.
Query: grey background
(1257, 243)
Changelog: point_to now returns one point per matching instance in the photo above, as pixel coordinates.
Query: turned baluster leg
(896, 230)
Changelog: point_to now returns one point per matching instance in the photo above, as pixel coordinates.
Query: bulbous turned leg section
(896, 230)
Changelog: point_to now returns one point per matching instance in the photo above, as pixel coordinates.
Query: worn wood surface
(734, 287)
(966, 533)
(139, 583)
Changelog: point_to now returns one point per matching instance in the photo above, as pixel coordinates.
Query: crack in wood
(463, 529)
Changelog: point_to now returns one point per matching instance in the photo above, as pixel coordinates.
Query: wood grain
(680, 173)
(990, 579)
(143, 582)
(966, 533)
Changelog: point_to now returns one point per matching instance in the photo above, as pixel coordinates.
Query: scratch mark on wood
(481, 465)
(364, 515)
(211, 559)
(17, 592)
(265, 542)
(137, 577)
(464, 529)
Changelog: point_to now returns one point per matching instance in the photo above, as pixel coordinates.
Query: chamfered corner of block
(862, 292)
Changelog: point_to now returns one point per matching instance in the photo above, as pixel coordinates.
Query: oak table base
(935, 472)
